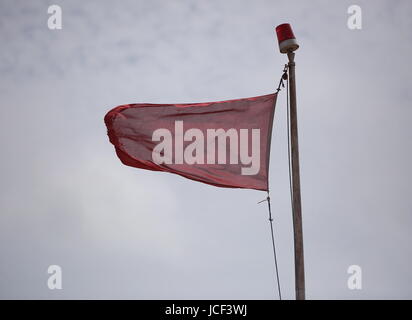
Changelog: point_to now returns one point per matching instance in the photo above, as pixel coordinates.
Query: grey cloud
(120, 232)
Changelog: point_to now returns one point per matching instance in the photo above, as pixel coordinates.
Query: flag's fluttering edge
(225, 143)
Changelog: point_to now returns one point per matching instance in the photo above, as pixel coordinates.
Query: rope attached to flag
(281, 85)
(273, 244)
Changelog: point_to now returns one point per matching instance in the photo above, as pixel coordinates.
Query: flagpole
(288, 44)
(296, 198)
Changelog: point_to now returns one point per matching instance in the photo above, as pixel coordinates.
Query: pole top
(286, 38)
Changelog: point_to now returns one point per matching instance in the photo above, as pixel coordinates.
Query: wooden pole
(296, 199)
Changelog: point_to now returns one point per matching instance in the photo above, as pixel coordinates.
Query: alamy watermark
(355, 18)
(55, 279)
(54, 22)
(170, 150)
(355, 278)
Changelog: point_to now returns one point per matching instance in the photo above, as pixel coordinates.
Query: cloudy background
(119, 232)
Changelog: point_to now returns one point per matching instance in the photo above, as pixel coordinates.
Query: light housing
(286, 38)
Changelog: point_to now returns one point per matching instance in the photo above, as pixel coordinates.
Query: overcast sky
(120, 232)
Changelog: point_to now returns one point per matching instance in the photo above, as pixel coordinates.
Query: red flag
(224, 143)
